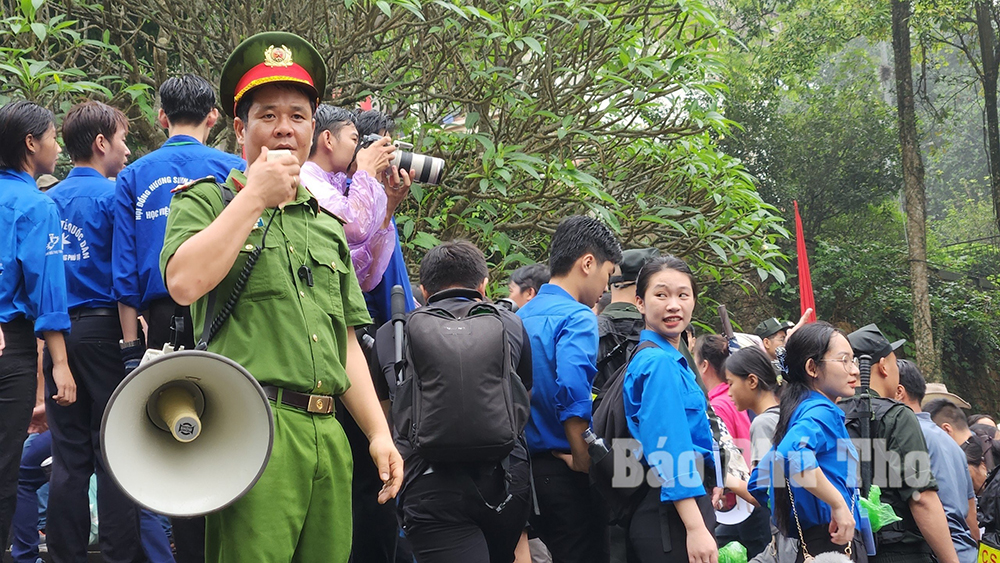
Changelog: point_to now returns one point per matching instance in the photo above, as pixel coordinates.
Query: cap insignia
(278, 56)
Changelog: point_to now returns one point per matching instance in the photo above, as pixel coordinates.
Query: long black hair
(810, 342)
(18, 120)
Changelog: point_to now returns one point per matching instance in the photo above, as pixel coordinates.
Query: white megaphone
(187, 433)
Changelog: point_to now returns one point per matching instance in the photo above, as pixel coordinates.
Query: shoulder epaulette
(190, 184)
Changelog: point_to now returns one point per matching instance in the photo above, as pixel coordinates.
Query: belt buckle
(320, 404)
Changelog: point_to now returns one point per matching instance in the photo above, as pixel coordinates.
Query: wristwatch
(124, 345)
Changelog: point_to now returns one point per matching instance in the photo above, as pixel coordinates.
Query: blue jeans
(154, 537)
(24, 548)
(30, 478)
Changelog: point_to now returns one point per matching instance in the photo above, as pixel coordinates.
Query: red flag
(806, 298)
(367, 104)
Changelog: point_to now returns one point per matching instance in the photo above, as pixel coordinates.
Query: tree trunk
(913, 189)
(988, 50)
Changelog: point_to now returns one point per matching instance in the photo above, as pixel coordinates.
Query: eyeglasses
(846, 361)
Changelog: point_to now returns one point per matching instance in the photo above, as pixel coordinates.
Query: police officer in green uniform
(900, 463)
(293, 325)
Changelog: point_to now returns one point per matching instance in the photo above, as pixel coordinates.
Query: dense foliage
(811, 84)
(542, 109)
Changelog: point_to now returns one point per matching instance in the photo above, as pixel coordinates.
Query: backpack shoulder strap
(881, 407)
(604, 326)
(642, 346)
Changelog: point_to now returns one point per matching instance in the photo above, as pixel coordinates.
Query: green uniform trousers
(300, 509)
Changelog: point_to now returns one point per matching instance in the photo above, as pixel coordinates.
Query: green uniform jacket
(900, 430)
(283, 331)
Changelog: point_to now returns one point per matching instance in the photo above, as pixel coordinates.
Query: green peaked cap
(268, 58)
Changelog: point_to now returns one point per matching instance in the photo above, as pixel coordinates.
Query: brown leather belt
(314, 404)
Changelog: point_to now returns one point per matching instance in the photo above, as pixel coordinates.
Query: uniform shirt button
(315, 338)
(248, 247)
(291, 249)
(302, 294)
(319, 384)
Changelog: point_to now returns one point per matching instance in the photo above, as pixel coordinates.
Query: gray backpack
(459, 399)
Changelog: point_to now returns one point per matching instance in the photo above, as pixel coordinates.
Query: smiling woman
(817, 502)
(666, 412)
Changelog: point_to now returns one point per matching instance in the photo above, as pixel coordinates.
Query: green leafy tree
(556, 107)
(830, 144)
(50, 56)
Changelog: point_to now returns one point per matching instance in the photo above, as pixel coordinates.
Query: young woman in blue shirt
(666, 413)
(812, 450)
(32, 284)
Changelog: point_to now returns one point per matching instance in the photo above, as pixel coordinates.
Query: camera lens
(427, 169)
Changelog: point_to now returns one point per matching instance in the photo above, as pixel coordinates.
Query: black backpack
(610, 424)
(459, 399)
(879, 407)
(617, 340)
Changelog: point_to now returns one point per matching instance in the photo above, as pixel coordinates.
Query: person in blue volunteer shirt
(188, 112)
(94, 135)
(571, 518)
(813, 452)
(666, 412)
(32, 285)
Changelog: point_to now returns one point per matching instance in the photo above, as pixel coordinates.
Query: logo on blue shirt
(83, 252)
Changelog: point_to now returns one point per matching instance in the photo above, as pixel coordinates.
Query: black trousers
(573, 519)
(657, 533)
(95, 360)
(447, 520)
(189, 533)
(18, 384)
(375, 530)
(158, 319)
